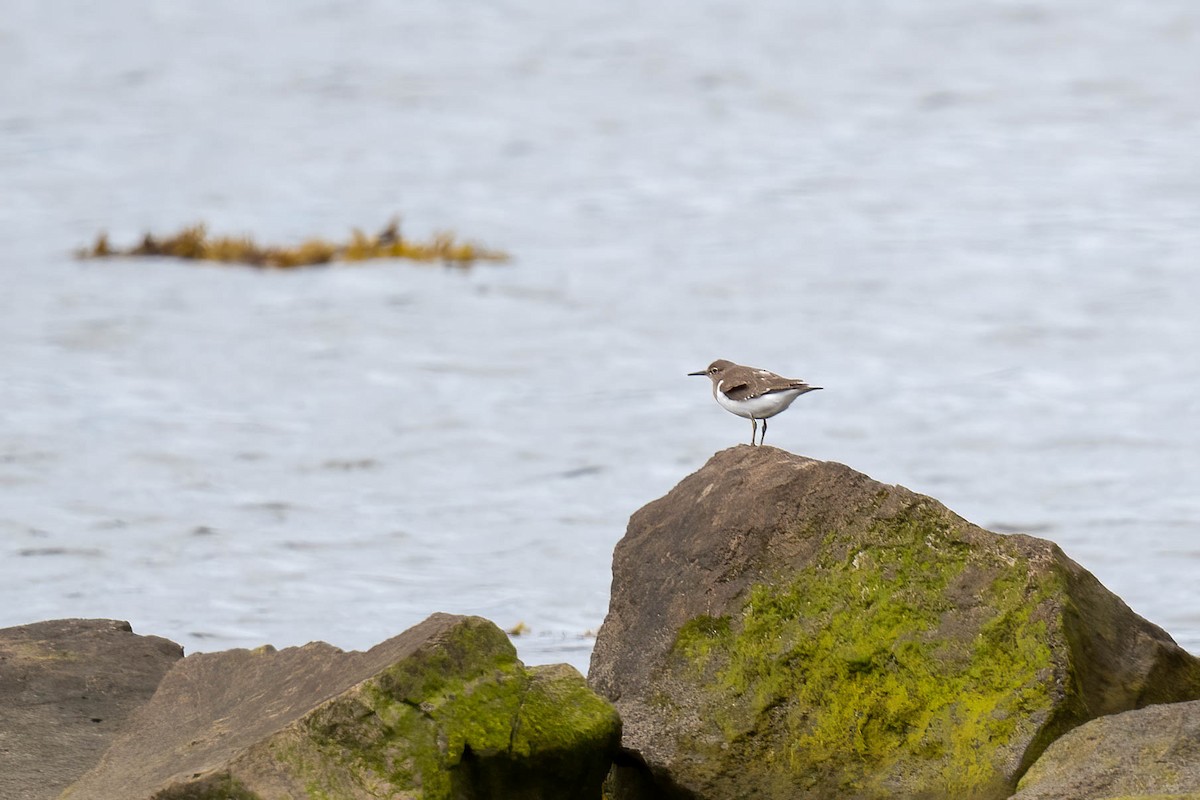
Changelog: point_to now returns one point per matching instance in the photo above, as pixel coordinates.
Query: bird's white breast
(761, 407)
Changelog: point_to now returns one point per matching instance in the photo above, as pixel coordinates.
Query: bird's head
(715, 369)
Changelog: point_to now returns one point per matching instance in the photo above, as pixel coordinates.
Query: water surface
(975, 225)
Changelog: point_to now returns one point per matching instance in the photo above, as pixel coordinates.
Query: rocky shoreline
(778, 628)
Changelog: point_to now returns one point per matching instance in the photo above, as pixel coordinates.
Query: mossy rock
(463, 720)
(443, 712)
(786, 628)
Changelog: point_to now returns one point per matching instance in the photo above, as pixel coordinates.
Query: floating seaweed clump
(195, 243)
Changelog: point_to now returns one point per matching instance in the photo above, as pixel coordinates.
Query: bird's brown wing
(739, 391)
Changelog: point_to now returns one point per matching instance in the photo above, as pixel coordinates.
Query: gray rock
(786, 628)
(1150, 752)
(66, 689)
(443, 710)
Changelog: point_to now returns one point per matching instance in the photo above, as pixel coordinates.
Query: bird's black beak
(701, 372)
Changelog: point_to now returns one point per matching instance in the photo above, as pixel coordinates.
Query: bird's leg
(763, 439)
(753, 430)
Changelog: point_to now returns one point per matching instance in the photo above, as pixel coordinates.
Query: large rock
(1145, 753)
(445, 710)
(786, 628)
(66, 689)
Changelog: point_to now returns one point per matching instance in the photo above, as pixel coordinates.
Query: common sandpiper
(753, 393)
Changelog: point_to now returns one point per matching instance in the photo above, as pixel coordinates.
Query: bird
(752, 392)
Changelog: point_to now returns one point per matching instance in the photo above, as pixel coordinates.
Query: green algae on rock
(786, 628)
(872, 679)
(465, 719)
(195, 243)
(443, 711)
